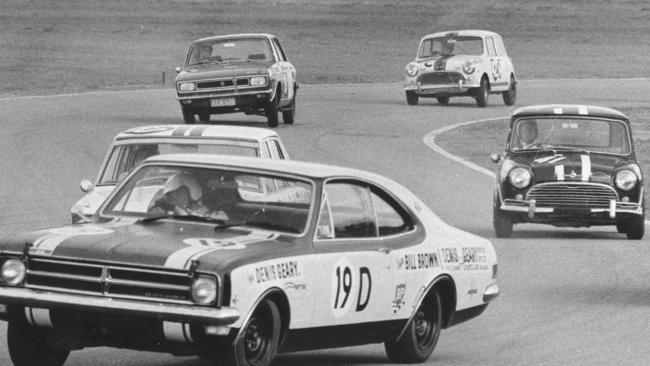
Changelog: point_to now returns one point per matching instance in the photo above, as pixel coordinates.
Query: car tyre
(28, 347)
(271, 110)
(411, 97)
(443, 100)
(421, 335)
(635, 228)
(204, 117)
(482, 93)
(502, 223)
(188, 116)
(289, 114)
(510, 96)
(258, 343)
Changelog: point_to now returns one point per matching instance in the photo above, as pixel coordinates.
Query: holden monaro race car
(461, 63)
(569, 165)
(247, 73)
(132, 146)
(237, 259)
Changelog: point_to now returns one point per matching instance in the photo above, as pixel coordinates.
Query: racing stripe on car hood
(197, 131)
(440, 64)
(180, 130)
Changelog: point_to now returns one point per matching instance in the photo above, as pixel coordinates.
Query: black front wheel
(411, 97)
(443, 100)
(502, 223)
(289, 114)
(510, 96)
(635, 227)
(258, 343)
(204, 117)
(188, 116)
(482, 93)
(28, 347)
(271, 110)
(421, 335)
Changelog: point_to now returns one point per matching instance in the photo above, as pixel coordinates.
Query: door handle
(384, 250)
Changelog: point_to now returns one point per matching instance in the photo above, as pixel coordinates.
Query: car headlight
(204, 290)
(411, 69)
(469, 68)
(520, 177)
(626, 179)
(186, 87)
(275, 70)
(258, 80)
(13, 272)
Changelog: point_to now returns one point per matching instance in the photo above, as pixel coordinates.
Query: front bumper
(529, 207)
(163, 311)
(440, 86)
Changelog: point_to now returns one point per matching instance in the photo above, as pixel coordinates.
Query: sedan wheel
(422, 333)
(411, 97)
(28, 347)
(443, 100)
(188, 116)
(258, 344)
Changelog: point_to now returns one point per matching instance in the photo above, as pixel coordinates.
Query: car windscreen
(124, 157)
(259, 200)
(229, 50)
(451, 46)
(580, 133)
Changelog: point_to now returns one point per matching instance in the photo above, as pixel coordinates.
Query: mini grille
(108, 280)
(572, 195)
(441, 78)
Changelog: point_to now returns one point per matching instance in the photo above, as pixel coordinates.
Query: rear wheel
(258, 344)
(271, 110)
(482, 93)
(28, 347)
(443, 100)
(421, 335)
(204, 117)
(188, 116)
(411, 97)
(510, 96)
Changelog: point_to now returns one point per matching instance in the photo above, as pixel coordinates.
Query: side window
(325, 228)
(391, 218)
(274, 149)
(501, 49)
(109, 174)
(281, 54)
(279, 149)
(266, 150)
(490, 46)
(351, 212)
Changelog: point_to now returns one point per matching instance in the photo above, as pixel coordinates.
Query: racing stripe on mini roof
(197, 131)
(180, 130)
(582, 109)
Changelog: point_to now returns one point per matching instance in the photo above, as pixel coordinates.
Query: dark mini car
(247, 73)
(569, 165)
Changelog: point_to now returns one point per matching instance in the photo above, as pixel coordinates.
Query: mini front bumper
(530, 207)
(460, 87)
(163, 311)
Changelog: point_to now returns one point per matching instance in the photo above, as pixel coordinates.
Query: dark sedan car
(247, 73)
(569, 165)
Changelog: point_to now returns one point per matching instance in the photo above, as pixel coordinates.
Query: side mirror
(496, 158)
(178, 69)
(86, 186)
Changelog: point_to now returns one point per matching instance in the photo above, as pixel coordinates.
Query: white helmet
(181, 179)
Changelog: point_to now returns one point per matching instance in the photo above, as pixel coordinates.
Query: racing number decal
(351, 286)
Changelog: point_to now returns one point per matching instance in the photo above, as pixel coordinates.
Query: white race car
(322, 257)
(132, 146)
(461, 63)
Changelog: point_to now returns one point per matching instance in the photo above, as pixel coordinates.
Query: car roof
(463, 32)
(567, 110)
(292, 167)
(237, 35)
(197, 132)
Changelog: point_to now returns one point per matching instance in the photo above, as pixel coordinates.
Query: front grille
(224, 83)
(572, 195)
(442, 78)
(108, 280)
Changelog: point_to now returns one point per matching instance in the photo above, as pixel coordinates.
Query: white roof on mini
(463, 32)
(197, 132)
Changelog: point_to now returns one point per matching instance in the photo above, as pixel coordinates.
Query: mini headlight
(626, 179)
(411, 69)
(13, 272)
(258, 80)
(468, 68)
(204, 290)
(185, 87)
(519, 177)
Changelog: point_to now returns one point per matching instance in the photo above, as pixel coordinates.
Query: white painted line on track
(430, 141)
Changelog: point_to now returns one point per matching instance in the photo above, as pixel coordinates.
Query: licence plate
(222, 102)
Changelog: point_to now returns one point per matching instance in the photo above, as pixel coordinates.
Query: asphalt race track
(569, 296)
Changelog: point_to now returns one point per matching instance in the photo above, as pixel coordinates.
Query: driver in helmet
(182, 195)
(527, 132)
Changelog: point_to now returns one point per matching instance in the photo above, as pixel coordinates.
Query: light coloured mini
(470, 63)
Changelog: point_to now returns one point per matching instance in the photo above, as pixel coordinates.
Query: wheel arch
(446, 288)
(279, 297)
